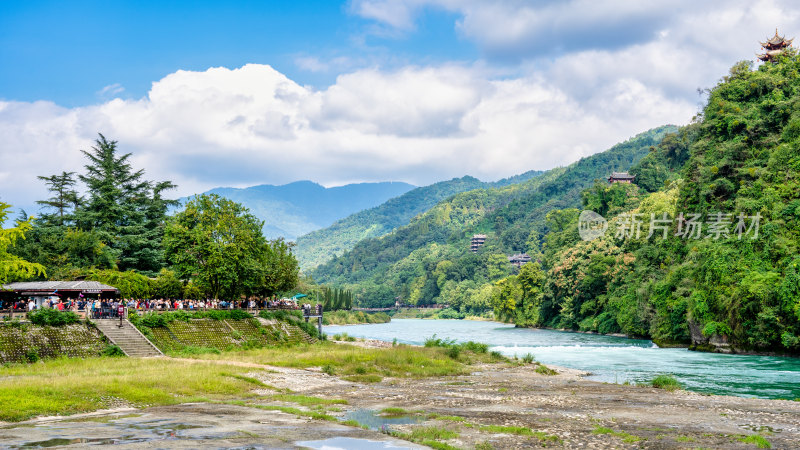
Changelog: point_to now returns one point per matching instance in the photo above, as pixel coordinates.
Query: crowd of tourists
(107, 308)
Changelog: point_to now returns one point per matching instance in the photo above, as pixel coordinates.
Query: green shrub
(32, 355)
(450, 313)
(476, 347)
(433, 341)
(453, 352)
(667, 382)
(528, 358)
(52, 317)
(152, 320)
(112, 350)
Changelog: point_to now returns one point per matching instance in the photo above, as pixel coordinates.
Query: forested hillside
(428, 261)
(320, 246)
(719, 268)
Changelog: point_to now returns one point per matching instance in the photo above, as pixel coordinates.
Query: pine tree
(126, 211)
(64, 197)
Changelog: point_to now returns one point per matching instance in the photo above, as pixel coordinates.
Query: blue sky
(67, 52)
(240, 93)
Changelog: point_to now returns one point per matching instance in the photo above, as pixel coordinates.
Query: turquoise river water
(609, 359)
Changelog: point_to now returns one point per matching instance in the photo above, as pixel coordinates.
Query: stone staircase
(128, 338)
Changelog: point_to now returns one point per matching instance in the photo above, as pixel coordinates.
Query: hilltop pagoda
(774, 47)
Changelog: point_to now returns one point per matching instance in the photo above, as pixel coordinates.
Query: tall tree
(64, 197)
(126, 211)
(218, 244)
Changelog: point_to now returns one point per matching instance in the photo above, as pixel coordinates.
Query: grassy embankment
(69, 386)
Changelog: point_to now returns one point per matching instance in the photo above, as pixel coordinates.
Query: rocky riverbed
(496, 406)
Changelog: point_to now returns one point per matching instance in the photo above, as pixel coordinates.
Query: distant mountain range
(294, 209)
(321, 245)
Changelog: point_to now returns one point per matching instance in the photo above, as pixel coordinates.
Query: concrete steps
(127, 337)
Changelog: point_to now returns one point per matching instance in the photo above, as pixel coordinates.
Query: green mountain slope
(320, 246)
(428, 259)
(297, 208)
(724, 288)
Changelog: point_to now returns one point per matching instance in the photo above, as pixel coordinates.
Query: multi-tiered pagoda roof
(774, 47)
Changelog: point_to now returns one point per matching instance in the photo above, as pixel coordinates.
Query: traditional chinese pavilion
(621, 177)
(519, 259)
(477, 241)
(774, 47)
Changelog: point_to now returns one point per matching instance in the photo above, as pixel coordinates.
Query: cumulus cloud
(254, 125)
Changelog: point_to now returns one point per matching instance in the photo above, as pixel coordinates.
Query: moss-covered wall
(19, 342)
(223, 334)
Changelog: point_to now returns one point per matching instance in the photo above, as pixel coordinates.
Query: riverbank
(491, 405)
(343, 317)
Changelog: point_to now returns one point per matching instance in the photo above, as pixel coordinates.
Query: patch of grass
(250, 380)
(447, 418)
(394, 412)
(497, 356)
(667, 382)
(297, 412)
(305, 400)
(502, 390)
(757, 440)
(103, 419)
(69, 386)
(353, 423)
(521, 431)
(485, 445)
(329, 369)
(685, 439)
(343, 337)
(401, 361)
(528, 358)
(194, 350)
(626, 437)
(432, 433)
(438, 445)
(371, 378)
(544, 370)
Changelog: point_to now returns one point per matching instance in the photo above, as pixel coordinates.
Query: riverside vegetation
(740, 156)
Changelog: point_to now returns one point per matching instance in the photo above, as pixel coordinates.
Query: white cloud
(111, 90)
(583, 75)
(254, 125)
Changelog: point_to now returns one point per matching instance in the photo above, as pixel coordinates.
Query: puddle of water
(375, 421)
(346, 443)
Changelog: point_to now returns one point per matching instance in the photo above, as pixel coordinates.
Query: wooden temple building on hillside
(774, 47)
(477, 241)
(621, 177)
(519, 259)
